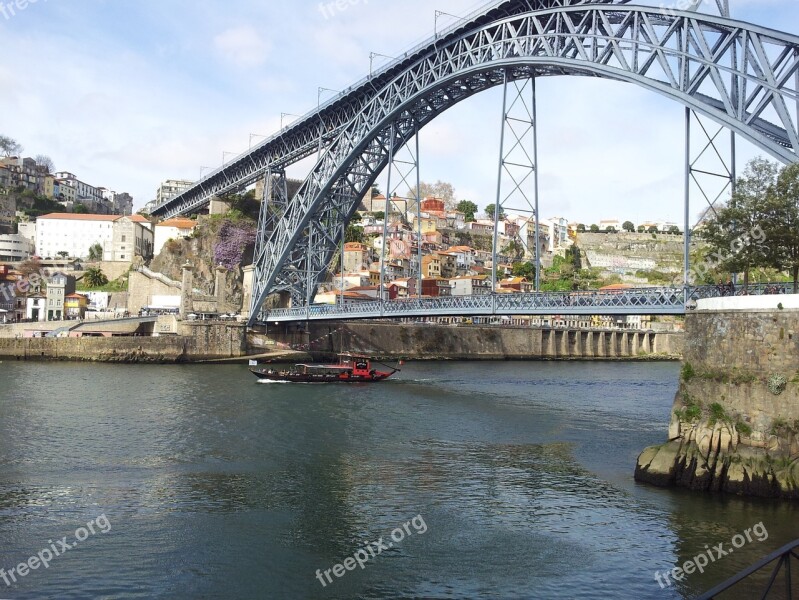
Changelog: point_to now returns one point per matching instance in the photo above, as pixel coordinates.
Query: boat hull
(290, 377)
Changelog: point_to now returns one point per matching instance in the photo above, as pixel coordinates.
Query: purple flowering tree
(232, 243)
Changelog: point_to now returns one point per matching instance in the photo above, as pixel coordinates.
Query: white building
(121, 238)
(171, 188)
(173, 229)
(15, 248)
(28, 230)
(474, 285)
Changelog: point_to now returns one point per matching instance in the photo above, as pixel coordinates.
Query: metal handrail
(783, 554)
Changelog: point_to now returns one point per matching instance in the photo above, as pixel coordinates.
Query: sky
(127, 93)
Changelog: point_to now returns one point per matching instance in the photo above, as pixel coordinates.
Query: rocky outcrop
(199, 252)
(735, 420)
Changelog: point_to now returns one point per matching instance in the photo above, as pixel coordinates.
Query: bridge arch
(743, 76)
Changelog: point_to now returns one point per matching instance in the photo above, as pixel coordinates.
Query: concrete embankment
(472, 342)
(735, 420)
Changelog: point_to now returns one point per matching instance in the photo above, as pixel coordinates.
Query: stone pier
(735, 420)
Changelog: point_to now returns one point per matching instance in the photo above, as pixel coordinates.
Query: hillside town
(70, 251)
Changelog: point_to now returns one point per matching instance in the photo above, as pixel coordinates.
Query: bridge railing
(651, 300)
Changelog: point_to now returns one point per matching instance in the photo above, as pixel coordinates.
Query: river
(484, 480)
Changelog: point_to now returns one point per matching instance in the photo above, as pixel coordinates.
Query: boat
(351, 368)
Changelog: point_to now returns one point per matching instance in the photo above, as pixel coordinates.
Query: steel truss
(518, 166)
(679, 55)
(404, 174)
(301, 138)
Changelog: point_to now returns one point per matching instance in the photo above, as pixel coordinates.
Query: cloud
(242, 46)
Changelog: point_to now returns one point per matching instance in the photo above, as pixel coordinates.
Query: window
(123, 240)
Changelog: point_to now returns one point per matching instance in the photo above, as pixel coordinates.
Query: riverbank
(231, 342)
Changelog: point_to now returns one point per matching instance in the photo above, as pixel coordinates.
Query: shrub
(777, 384)
(688, 372)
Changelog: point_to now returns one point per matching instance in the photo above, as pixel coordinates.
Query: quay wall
(735, 420)
(474, 342)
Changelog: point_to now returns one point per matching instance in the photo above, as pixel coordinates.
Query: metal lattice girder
(680, 55)
(321, 126)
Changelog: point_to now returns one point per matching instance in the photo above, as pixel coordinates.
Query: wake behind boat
(351, 368)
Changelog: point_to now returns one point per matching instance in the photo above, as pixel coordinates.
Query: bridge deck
(633, 301)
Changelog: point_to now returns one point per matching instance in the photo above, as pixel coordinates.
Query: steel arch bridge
(743, 76)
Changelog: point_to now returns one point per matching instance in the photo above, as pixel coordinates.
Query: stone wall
(197, 342)
(142, 288)
(735, 422)
(469, 342)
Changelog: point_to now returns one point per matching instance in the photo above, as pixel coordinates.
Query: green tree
(379, 215)
(735, 233)
(80, 209)
(653, 229)
(524, 269)
(628, 226)
(674, 230)
(641, 229)
(354, 234)
(490, 211)
(96, 252)
(63, 254)
(94, 278)
(610, 229)
(468, 208)
(594, 228)
(514, 250)
(581, 228)
(782, 223)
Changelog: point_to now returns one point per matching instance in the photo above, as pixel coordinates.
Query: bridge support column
(588, 349)
(517, 180)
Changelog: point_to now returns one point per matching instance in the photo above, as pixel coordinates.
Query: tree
(594, 228)
(628, 226)
(524, 269)
(94, 278)
(490, 211)
(641, 229)
(439, 189)
(96, 252)
(353, 234)
(379, 215)
(581, 228)
(9, 146)
(514, 250)
(468, 208)
(782, 223)
(735, 233)
(375, 190)
(46, 162)
(63, 254)
(80, 209)
(610, 229)
(674, 230)
(653, 229)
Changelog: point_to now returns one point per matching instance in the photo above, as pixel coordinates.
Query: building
(431, 266)
(356, 257)
(436, 287)
(171, 188)
(123, 204)
(172, 229)
(36, 307)
(88, 195)
(28, 230)
(75, 234)
(15, 248)
(473, 285)
(75, 306)
(131, 236)
(59, 286)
